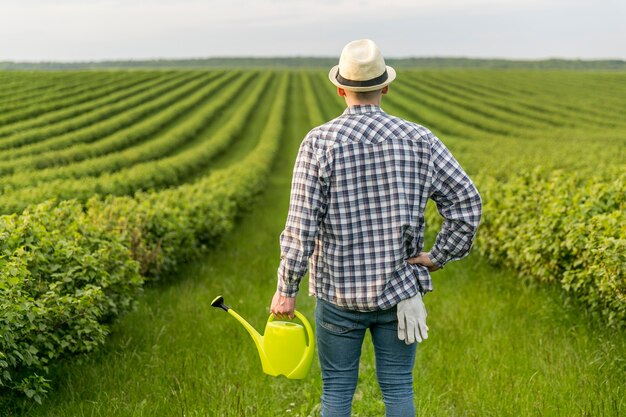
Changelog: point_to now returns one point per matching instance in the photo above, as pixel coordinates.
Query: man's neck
(353, 102)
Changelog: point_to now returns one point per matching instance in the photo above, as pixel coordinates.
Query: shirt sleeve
(306, 212)
(458, 202)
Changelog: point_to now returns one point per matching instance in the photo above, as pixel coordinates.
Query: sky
(93, 30)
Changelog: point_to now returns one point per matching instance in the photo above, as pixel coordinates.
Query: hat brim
(391, 75)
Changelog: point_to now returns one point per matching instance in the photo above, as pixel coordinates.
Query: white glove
(412, 320)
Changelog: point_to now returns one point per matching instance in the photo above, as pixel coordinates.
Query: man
(359, 191)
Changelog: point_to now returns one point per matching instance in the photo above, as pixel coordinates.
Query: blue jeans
(339, 335)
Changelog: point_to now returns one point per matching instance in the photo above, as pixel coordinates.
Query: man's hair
(366, 95)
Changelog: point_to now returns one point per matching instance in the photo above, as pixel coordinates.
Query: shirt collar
(363, 109)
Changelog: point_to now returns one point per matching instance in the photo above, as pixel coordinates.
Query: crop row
(460, 113)
(97, 125)
(84, 93)
(167, 171)
(407, 105)
(550, 94)
(516, 105)
(69, 269)
(310, 99)
(330, 104)
(161, 143)
(482, 117)
(587, 89)
(128, 130)
(125, 90)
(50, 88)
(499, 108)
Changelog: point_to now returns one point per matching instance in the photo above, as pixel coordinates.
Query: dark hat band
(367, 83)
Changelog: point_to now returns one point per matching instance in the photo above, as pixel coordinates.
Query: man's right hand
(283, 307)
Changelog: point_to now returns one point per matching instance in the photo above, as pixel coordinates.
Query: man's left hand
(424, 260)
(283, 307)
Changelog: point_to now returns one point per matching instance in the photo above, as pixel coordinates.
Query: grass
(498, 346)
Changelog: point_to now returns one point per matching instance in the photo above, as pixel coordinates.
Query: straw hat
(361, 68)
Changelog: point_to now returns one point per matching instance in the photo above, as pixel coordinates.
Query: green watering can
(283, 348)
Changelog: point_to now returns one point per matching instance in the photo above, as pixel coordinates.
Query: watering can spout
(256, 336)
(284, 348)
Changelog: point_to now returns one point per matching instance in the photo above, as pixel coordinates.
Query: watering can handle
(303, 319)
(302, 369)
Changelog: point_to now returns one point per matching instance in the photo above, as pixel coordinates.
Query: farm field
(171, 187)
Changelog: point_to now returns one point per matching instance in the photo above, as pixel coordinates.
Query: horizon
(313, 57)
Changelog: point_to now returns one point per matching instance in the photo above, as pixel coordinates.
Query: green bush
(61, 279)
(561, 227)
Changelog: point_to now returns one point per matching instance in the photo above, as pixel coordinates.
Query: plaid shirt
(358, 195)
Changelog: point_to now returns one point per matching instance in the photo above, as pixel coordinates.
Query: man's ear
(341, 92)
(385, 89)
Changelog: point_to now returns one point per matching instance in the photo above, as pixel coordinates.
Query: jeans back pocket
(335, 319)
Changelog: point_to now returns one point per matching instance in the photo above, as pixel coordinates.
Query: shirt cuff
(437, 257)
(287, 290)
